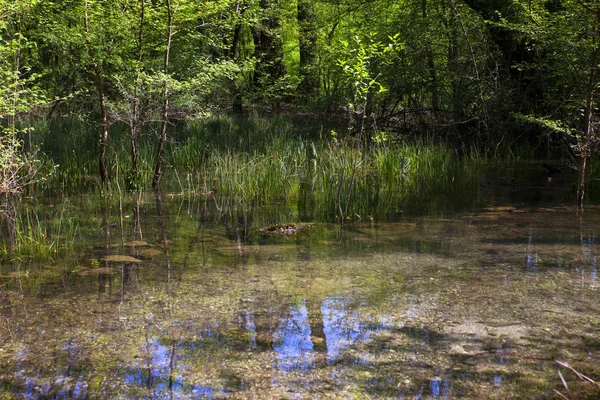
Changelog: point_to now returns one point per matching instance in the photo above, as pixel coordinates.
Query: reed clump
(259, 166)
(260, 161)
(41, 235)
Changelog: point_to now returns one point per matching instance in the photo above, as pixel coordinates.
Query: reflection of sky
(531, 257)
(412, 313)
(165, 378)
(589, 257)
(438, 389)
(291, 341)
(342, 329)
(251, 328)
(33, 388)
(165, 374)
(79, 392)
(159, 371)
(497, 380)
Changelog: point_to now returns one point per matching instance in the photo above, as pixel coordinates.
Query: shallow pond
(167, 300)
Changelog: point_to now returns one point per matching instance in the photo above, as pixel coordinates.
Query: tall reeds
(258, 163)
(261, 161)
(41, 234)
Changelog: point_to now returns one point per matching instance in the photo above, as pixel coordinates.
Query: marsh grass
(239, 166)
(42, 234)
(259, 162)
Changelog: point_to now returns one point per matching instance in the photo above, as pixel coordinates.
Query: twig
(560, 394)
(579, 374)
(502, 353)
(518, 355)
(563, 381)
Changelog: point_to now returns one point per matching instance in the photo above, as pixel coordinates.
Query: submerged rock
(283, 229)
(120, 258)
(137, 243)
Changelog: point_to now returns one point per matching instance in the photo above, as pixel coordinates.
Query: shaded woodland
(482, 77)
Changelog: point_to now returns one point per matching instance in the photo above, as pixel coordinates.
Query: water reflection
(412, 311)
(162, 376)
(385, 320)
(497, 380)
(589, 257)
(531, 255)
(36, 386)
(291, 341)
(440, 390)
(343, 328)
(246, 322)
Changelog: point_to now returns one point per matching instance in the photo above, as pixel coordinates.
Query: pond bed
(167, 303)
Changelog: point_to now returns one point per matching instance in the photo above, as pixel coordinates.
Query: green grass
(41, 234)
(254, 165)
(256, 162)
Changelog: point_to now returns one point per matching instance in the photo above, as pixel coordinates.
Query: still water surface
(474, 304)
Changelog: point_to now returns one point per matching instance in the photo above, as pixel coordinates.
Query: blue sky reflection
(291, 342)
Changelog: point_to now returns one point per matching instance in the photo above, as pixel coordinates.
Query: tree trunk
(103, 143)
(581, 186)
(588, 127)
(308, 47)
(135, 118)
(433, 84)
(268, 47)
(238, 107)
(235, 42)
(165, 109)
(588, 123)
(481, 89)
(454, 67)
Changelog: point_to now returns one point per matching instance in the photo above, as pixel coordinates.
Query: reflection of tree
(306, 198)
(292, 341)
(237, 228)
(162, 230)
(342, 328)
(198, 236)
(136, 226)
(315, 319)
(588, 252)
(169, 293)
(104, 278)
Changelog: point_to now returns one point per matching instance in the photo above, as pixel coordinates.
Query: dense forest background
(483, 75)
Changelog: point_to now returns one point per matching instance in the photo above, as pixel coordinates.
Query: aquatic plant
(42, 234)
(236, 165)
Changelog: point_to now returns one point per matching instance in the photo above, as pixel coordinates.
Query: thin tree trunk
(165, 110)
(454, 66)
(484, 110)
(308, 46)
(103, 143)
(9, 214)
(238, 106)
(581, 186)
(237, 31)
(268, 49)
(135, 119)
(588, 128)
(431, 66)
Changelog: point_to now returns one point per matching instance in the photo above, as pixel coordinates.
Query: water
(473, 304)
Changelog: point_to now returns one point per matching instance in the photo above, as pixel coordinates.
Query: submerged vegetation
(259, 162)
(241, 164)
(435, 306)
